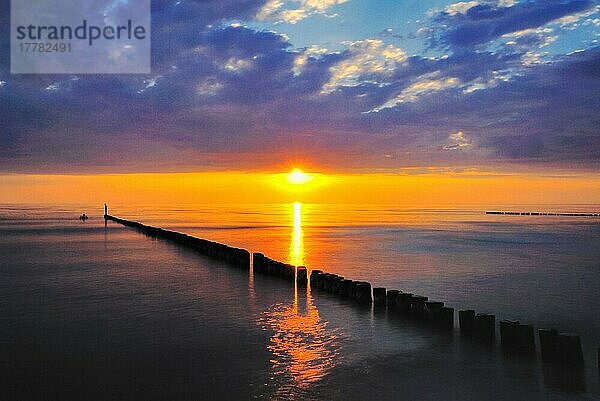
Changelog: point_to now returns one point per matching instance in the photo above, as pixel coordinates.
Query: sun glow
(298, 185)
(467, 188)
(298, 177)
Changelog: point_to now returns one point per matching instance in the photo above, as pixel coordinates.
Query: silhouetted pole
(561, 348)
(517, 338)
(105, 211)
(466, 319)
(301, 275)
(379, 297)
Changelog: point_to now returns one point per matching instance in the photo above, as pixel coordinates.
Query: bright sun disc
(298, 177)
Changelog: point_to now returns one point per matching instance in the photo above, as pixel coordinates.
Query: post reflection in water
(303, 349)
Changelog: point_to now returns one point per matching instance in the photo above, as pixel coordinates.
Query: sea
(92, 310)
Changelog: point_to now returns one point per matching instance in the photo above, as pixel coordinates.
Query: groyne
(234, 256)
(566, 214)
(556, 349)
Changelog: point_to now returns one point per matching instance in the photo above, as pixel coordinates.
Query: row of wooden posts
(511, 213)
(235, 256)
(516, 338)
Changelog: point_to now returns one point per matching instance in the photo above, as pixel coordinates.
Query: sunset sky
(398, 88)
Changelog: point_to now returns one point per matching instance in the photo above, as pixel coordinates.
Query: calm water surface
(103, 312)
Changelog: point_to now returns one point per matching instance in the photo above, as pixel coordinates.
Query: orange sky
(189, 188)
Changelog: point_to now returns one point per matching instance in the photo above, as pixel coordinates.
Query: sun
(298, 177)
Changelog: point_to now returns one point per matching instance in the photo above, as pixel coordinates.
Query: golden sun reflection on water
(304, 350)
(296, 253)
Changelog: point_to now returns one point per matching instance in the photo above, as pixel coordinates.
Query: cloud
(531, 38)
(460, 7)
(370, 60)
(279, 11)
(312, 52)
(422, 86)
(465, 25)
(177, 25)
(448, 75)
(459, 141)
(209, 87)
(206, 109)
(571, 21)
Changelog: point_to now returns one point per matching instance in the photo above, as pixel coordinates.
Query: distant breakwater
(557, 349)
(567, 214)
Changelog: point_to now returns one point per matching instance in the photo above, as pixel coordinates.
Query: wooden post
(363, 293)
(417, 307)
(403, 303)
(391, 298)
(379, 297)
(315, 275)
(301, 277)
(485, 327)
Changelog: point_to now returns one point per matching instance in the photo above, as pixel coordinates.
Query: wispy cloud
(458, 141)
(422, 86)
